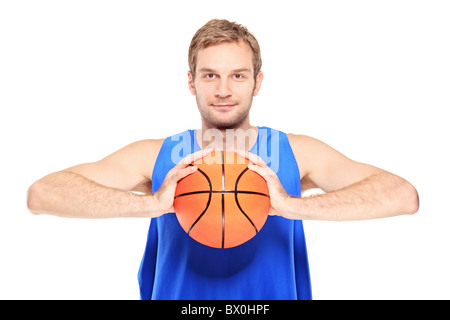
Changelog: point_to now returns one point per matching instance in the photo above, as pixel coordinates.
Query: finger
(197, 159)
(255, 168)
(255, 159)
(192, 157)
(200, 154)
(184, 172)
(266, 173)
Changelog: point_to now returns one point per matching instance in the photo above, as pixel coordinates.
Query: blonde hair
(218, 31)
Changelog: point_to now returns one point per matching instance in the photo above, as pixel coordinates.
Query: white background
(81, 79)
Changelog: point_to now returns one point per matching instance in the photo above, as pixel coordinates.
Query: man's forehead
(228, 55)
(238, 70)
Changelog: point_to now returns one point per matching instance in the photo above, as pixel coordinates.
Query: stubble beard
(212, 118)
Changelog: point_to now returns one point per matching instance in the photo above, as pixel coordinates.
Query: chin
(232, 124)
(222, 121)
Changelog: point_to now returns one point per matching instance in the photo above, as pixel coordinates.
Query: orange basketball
(223, 204)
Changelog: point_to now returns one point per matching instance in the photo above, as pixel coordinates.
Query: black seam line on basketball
(237, 201)
(223, 173)
(222, 191)
(223, 202)
(223, 220)
(207, 204)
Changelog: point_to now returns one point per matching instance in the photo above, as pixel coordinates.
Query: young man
(225, 74)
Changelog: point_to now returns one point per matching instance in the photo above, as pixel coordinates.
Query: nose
(223, 89)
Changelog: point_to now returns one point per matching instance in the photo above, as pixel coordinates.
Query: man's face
(224, 84)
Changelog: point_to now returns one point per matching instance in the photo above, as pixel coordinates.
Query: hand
(165, 195)
(279, 200)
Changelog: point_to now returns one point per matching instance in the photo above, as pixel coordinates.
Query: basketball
(223, 204)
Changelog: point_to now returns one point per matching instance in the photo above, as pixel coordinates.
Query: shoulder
(147, 152)
(311, 153)
(147, 145)
(147, 148)
(303, 144)
(296, 139)
(137, 156)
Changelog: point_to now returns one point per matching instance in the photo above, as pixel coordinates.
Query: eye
(238, 76)
(210, 76)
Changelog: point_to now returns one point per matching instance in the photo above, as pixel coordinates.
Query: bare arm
(99, 189)
(71, 195)
(379, 195)
(354, 191)
(103, 189)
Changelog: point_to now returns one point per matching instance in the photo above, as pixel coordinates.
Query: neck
(241, 137)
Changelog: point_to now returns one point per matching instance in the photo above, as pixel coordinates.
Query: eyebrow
(234, 71)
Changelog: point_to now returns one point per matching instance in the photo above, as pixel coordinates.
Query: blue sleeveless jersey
(272, 265)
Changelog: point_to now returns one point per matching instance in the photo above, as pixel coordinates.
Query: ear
(258, 82)
(191, 83)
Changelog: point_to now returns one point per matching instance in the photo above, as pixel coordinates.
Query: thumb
(266, 173)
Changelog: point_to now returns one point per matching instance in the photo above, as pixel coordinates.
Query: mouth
(224, 106)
